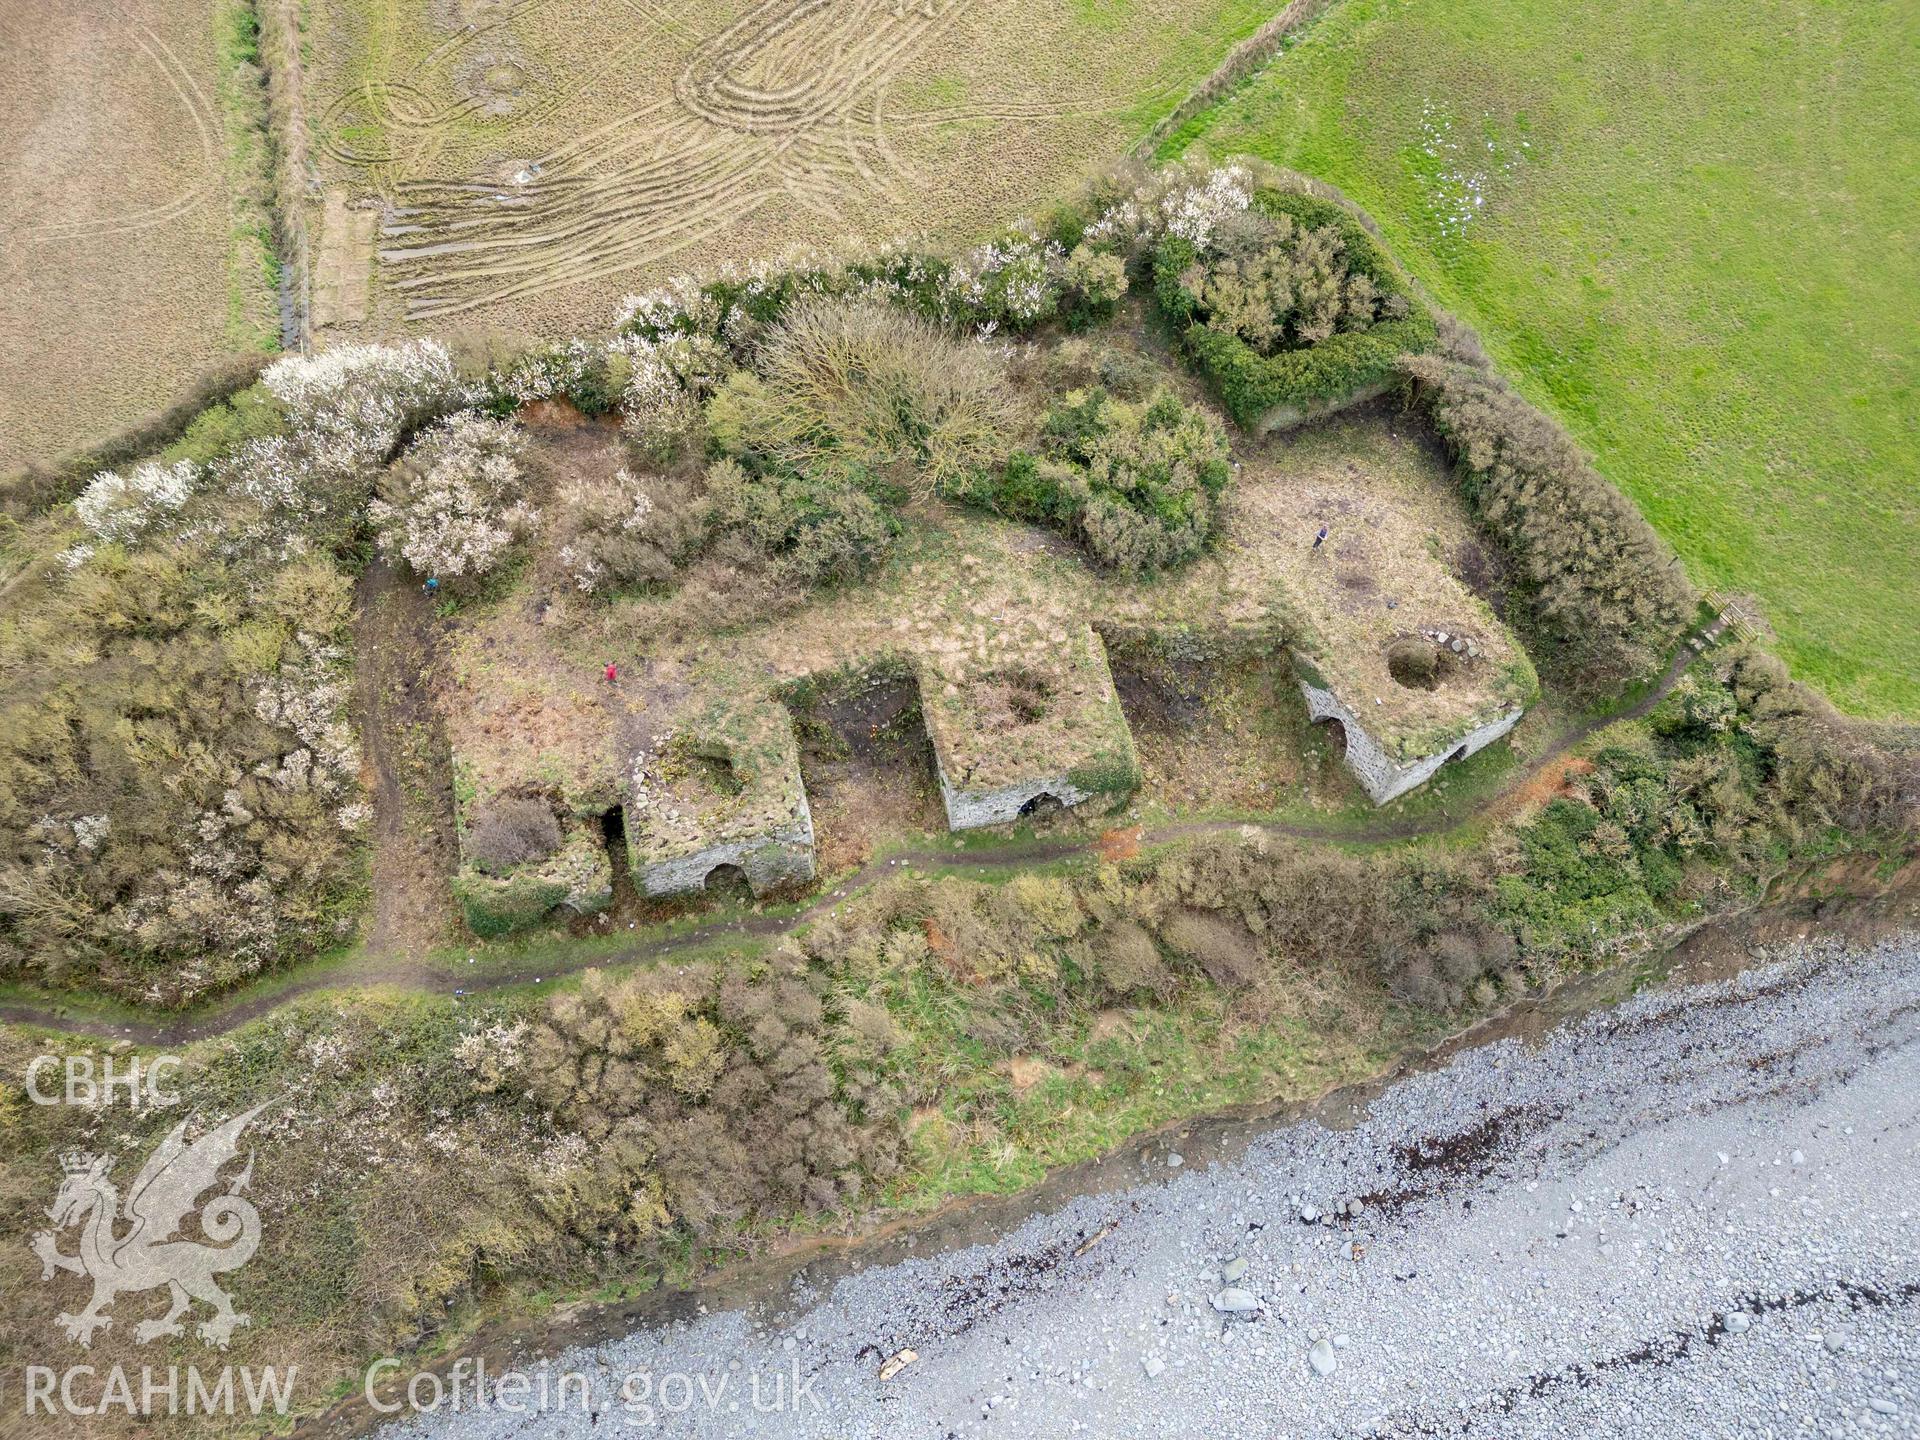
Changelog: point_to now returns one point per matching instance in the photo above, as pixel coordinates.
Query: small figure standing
(613, 672)
(1321, 538)
(432, 587)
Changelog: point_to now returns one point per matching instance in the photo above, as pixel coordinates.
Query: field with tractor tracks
(525, 163)
(132, 242)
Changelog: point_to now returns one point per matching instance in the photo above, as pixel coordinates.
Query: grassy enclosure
(134, 246)
(1689, 232)
(544, 159)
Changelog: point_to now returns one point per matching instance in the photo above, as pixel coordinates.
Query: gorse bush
(1283, 301)
(814, 529)
(1137, 484)
(1609, 594)
(1288, 307)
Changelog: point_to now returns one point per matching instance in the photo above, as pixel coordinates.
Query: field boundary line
(1246, 57)
(288, 145)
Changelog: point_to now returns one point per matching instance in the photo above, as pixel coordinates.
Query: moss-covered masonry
(724, 789)
(1026, 711)
(1379, 774)
(578, 878)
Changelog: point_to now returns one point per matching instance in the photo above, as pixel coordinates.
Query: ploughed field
(528, 162)
(121, 280)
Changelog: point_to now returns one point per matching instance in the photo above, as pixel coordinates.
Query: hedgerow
(1609, 593)
(1288, 307)
(1137, 484)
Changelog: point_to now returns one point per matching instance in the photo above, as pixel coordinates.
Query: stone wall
(1382, 777)
(779, 857)
(971, 809)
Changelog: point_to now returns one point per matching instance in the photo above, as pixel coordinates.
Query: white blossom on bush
(308, 695)
(1177, 202)
(366, 396)
(683, 303)
(555, 370)
(1016, 280)
(603, 515)
(461, 504)
(493, 1055)
(120, 509)
(670, 377)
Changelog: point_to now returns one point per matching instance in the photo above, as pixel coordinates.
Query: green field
(1691, 232)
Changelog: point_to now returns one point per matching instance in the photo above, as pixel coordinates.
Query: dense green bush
(1609, 593)
(1288, 306)
(815, 529)
(1137, 484)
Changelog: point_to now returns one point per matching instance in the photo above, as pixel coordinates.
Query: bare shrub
(629, 530)
(1444, 971)
(512, 832)
(1011, 700)
(1222, 949)
(859, 384)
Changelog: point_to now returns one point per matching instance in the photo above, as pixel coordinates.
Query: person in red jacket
(613, 672)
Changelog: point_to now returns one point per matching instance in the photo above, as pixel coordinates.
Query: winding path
(375, 970)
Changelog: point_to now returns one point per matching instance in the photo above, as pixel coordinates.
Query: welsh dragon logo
(133, 1246)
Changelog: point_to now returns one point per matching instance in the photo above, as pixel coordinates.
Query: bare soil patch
(868, 767)
(1226, 737)
(408, 767)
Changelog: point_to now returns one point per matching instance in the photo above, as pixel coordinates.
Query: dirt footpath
(407, 767)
